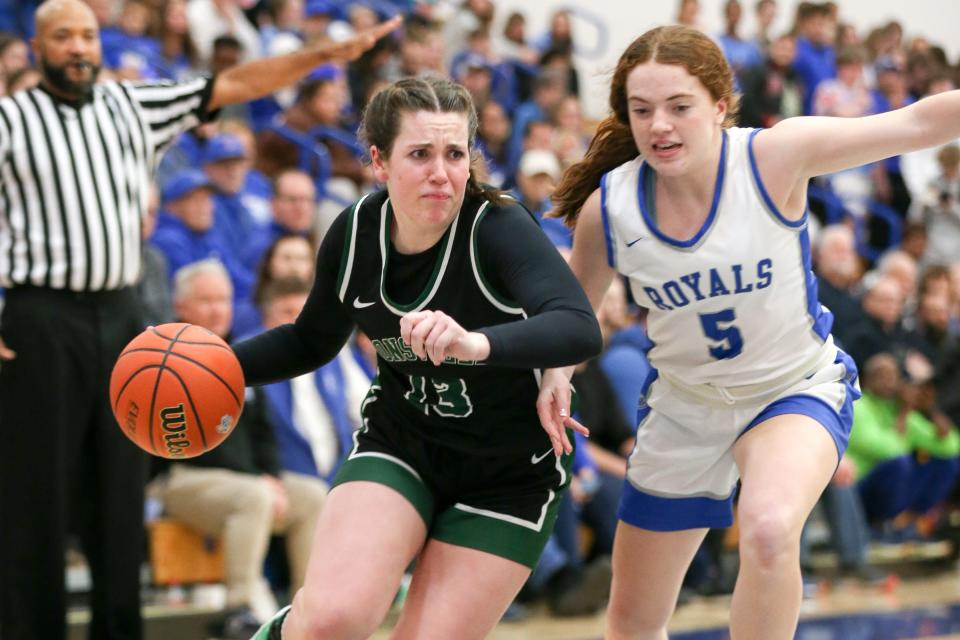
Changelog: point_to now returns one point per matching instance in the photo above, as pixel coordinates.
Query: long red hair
(613, 143)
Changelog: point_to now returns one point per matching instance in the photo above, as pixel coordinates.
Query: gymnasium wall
(624, 20)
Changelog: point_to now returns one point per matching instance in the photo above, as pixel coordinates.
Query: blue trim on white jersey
(834, 423)
(837, 423)
(767, 200)
(852, 372)
(717, 190)
(656, 513)
(643, 409)
(822, 320)
(605, 217)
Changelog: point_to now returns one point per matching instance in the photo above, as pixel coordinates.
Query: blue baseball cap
(182, 184)
(384, 10)
(222, 147)
(327, 71)
(475, 61)
(886, 63)
(472, 62)
(320, 7)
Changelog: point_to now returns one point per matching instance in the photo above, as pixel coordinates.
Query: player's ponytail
(612, 145)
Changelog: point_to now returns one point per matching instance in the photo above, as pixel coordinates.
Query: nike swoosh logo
(535, 459)
(362, 305)
(630, 244)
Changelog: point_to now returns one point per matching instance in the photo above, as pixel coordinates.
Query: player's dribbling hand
(553, 408)
(436, 336)
(6, 353)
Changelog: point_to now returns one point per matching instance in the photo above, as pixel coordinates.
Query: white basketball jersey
(737, 303)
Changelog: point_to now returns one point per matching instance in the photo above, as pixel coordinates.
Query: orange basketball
(177, 390)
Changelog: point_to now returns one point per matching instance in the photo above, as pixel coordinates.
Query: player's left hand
(553, 406)
(436, 336)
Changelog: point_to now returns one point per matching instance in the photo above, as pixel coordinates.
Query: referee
(76, 164)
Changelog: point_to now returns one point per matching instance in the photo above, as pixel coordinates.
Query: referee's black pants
(65, 465)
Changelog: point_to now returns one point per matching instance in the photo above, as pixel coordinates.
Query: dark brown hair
(381, 120)
(851, 55)
(930, 274)
(281, 287)
(7, 40)
(613, 143)
(949, 156)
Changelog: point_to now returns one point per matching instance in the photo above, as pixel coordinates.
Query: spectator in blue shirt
(475, 73)
(816, 58)
(186, 151)
(185, 231)
(137, 52)
(294, 209)
(537, 134)
(492, 136)
(537, 177)
(741, 54)
(548, 90)
(226, 166)
(891, 93)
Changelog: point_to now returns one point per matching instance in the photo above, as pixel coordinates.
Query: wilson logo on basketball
(225, 424)
(173, 423)
(133, 410)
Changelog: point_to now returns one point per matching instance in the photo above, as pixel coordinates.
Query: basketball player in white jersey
(708, 223)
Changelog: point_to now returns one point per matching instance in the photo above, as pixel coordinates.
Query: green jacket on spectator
(875, 437)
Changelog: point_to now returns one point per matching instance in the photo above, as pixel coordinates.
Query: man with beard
(76, 162)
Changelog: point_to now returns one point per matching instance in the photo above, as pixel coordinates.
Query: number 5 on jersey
(446, 397)
(717, 326)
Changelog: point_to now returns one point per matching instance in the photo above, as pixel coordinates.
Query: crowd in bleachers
(255, 191)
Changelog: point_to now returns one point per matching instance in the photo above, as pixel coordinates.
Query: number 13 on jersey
(445, 397)
(719, 327)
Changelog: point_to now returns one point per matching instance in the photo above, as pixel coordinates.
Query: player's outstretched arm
(810, 146)
(256, 79)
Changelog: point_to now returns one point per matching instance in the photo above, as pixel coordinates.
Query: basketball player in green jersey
(464, 299)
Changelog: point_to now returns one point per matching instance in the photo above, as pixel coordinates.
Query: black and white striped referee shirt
(75, 179)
